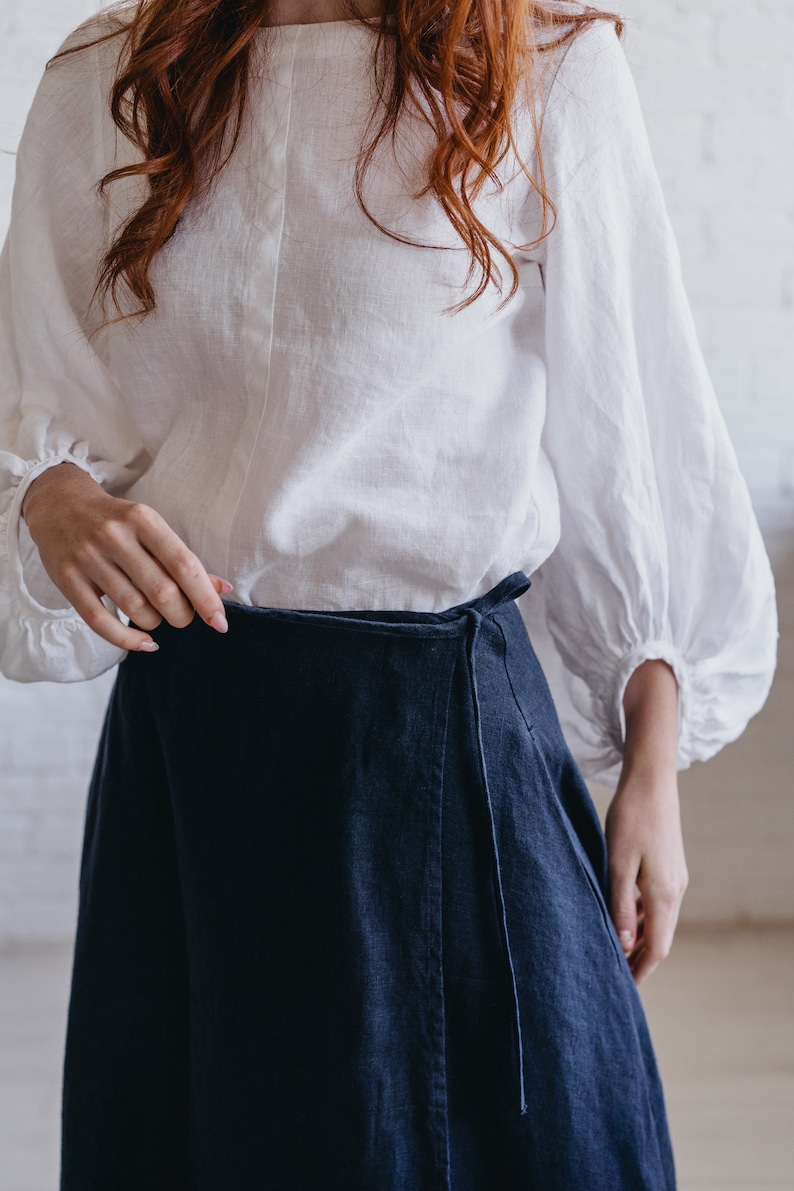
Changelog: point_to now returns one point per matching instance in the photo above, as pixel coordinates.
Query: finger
(642, 964)
(85, 598)
(117, 547)
(657, 937)
(222, 586)
(623, 904)
(636, 959)
(162, 593)
(128, 598)
(183, 567)
(640, 918)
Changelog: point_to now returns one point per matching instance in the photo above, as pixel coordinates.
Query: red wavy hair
(181, 91)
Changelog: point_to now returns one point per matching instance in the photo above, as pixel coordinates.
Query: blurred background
(716, 78)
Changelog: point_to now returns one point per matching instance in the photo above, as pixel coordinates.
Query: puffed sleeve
(660, 555)
(58, 401)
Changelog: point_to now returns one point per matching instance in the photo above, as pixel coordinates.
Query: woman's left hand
(643, 824)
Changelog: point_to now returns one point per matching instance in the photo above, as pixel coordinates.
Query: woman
(373, 316)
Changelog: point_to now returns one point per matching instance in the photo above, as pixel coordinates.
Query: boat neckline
(321, 24)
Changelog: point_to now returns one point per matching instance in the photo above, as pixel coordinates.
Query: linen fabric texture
(307, 418)
(343, 922)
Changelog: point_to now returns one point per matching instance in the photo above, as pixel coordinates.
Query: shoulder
(103, 28)
(86, 63)
(69, 118)
(584, 90)
(583, 62)
(575, 66)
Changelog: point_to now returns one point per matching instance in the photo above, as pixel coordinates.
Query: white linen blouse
(310, 421)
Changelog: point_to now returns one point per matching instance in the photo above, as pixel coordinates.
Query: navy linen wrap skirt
(343, 922)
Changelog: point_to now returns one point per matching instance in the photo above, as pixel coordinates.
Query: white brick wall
(717, 82)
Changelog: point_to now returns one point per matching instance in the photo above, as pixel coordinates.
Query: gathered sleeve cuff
(717, 694)
(41, 635)
(663, 651)
(660, 555)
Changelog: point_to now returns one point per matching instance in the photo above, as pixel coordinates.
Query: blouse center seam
(274, 290)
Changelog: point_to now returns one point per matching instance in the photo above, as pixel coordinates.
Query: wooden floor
(721, 1010)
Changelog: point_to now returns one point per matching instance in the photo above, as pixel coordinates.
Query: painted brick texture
(717, 82)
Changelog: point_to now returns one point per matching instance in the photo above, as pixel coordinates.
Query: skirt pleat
(343, 922)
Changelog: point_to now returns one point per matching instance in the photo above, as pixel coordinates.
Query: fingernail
(219, 622)
(226, 585)
(625, 939)
(148, 647)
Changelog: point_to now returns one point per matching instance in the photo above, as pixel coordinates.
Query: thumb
(623, 905)
(222, 586)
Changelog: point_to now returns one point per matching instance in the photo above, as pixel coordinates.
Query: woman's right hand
(92, 544)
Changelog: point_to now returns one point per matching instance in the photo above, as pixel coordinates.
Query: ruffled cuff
(599, 745)
(39, 643)
(714, 706)
(651, 651)
(717, 694)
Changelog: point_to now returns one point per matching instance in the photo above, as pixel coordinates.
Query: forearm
(644, 822)
(650, 704)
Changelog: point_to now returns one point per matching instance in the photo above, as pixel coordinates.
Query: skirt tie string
(513, 586)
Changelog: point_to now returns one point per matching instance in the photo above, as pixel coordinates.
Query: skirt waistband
(451, 622)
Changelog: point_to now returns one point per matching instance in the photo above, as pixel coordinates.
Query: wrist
(35, 497)
(651, 710)
(652, 773)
